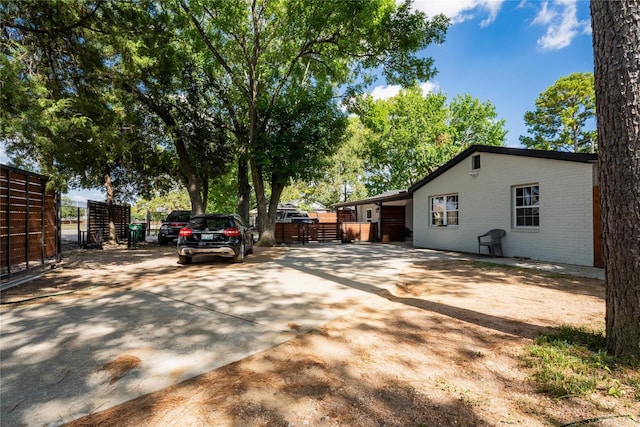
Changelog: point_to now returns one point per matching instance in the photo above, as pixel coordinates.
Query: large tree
(251, 72)
(62, 108)
(564, 117)
(269, 53)
(616, 45)
(176, 81)
(412, 134)
(343, 177)
(110, 93)
(409, 138)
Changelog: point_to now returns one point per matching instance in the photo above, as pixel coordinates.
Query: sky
(506, 52)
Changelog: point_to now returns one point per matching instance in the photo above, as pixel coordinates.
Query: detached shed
(546, 201)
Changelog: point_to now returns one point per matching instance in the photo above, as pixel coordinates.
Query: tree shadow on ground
(510, 326)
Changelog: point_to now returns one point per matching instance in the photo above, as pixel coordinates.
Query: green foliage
(564, 118)
(307, 125)
(343, 179)
(64, 109)
(408, 141)
(412, 134)
(140, 93)
(68, 209)
(223, 193)
(277, 64)
(222, 198)
(161, 205)
(473, 122)
(574, 362)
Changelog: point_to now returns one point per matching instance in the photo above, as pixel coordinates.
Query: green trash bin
(136, 231)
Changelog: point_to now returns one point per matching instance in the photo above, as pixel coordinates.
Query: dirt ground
(443, 348)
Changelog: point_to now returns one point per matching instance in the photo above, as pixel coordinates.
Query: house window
(475, 162)
(527, 206)
(369, 215)
(444, 210)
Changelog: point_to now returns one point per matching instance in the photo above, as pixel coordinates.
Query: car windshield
(178, 217)
(299, 215)
(210, 223)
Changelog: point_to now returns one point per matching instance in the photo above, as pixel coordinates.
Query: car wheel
(240, 255)
(182, 259)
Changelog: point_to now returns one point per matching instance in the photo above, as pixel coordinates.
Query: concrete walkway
(62, 360)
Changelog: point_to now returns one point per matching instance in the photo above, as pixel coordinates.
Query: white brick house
(544, 201)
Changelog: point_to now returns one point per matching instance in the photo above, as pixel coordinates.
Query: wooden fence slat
(325, 232)
(27, 218)
(98, 221)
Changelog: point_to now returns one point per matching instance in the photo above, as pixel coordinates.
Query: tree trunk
(192, 182)
(243, 188)
(616, 45)
(272, 215)
(111, 213)
(267, 233)
(205, 193)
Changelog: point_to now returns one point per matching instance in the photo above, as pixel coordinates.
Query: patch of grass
(574, 362)
(592, 340)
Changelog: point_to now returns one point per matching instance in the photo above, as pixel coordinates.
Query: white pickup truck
(296, 217)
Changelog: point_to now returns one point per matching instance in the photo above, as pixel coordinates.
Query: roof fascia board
(405, 195)
(524, 152)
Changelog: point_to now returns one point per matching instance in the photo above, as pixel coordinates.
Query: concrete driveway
(62, 360)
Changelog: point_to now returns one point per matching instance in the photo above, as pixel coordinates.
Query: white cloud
(460, 10)
(559, 17)
(561, 20)
(545, 16)
(429, 87)
(386, 92)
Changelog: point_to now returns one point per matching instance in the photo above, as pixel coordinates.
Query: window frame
(445, 222)
(475, 162)
(521, 206)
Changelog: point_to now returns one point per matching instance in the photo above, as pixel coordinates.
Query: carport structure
(392, 211)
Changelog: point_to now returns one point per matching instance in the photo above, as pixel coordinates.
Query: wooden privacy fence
(359, 231)
(325, 232)
(324, 217)
(98, 221)
(303, 233)
(393, 223)
(29, 223)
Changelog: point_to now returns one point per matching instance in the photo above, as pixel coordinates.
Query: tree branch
(58, 30)
(221, 61)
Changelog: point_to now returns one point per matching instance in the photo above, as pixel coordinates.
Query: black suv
(172, 225)
(224, 235)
